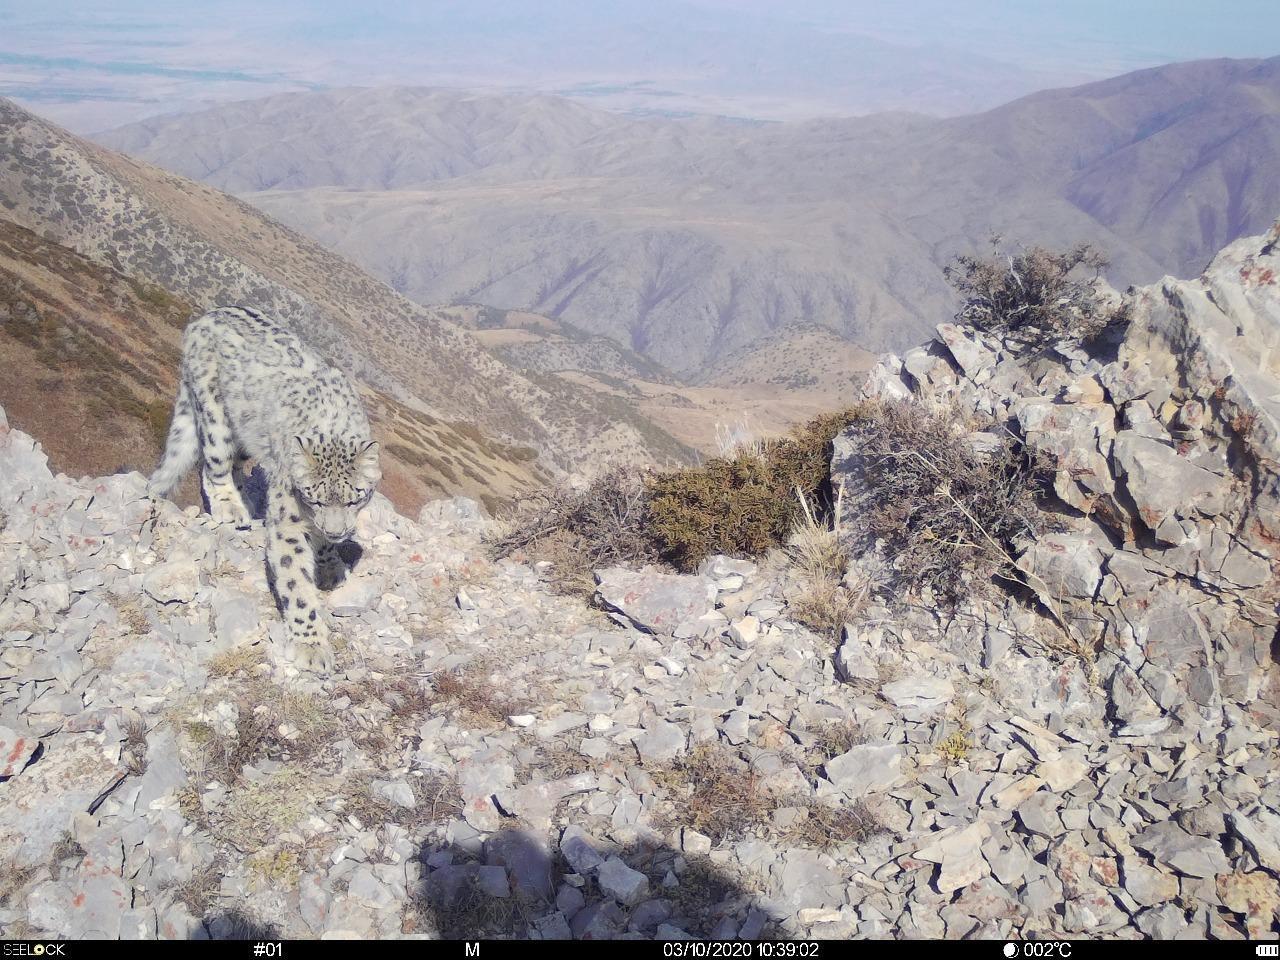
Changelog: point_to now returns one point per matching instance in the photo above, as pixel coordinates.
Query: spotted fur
(250, 388)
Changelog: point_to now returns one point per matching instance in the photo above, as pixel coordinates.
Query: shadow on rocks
(513, 885)
(234, 925)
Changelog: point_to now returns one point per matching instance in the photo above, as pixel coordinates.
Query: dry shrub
(264, 708)
(555, 761)
(604, 524)
(836, 737)
(224, 758)
(470, 912)
(200, 892)
(404, 696)
(716, 793)
(744, 504)
(436, 800)
(948, 515)
(1037, 297)
(703, 888)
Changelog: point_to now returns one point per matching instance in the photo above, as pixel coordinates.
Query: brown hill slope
(159, 229)
(90, 358)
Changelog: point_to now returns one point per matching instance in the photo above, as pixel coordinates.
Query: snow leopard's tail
(181, 450)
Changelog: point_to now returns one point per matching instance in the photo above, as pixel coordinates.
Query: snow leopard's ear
(367, 463)
(303, 460)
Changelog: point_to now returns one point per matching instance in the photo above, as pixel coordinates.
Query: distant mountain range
(690, 241)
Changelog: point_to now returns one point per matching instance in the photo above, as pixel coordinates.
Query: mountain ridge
(686, 239)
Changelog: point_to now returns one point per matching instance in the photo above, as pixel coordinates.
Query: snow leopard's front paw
(230, 510)
(226, 504)
(312, 653)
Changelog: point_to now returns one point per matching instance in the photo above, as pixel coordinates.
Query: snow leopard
(250, 388)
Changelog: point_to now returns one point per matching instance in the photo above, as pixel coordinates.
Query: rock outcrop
(1164, 447)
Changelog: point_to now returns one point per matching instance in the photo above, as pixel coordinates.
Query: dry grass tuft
(825, 606)
(276, 867)
(475, 697)
(556, 761)
(713, 791)
(829, 596)
(13, 879)
(835, 738)
(200, 892)
(437, 800)
(826, 827)
(134, 750)
(704, 886)
(815, 549)
(274, 723)
(132, 617)
(716, 793)
(256, 813)
(65, 849)
(471, 913)
(241, 659)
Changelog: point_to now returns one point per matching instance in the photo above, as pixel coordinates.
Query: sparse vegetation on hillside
(156, 240)
(744, 503)
(1039, 296)
(96, 346)
(946, 512)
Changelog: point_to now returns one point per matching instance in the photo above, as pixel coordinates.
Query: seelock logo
(35, 949)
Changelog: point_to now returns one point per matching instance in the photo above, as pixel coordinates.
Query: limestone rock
(654, 601)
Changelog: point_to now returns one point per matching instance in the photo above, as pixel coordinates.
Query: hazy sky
(92, 65)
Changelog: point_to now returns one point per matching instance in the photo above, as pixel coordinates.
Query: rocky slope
(434, 384)
(689, 239)
(491, 758)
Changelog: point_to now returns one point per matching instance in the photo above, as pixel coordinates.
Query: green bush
(746, 503)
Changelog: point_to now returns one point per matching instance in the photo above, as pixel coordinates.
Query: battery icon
(1268, 949)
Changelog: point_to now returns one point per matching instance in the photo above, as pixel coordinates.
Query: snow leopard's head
(334, 479)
